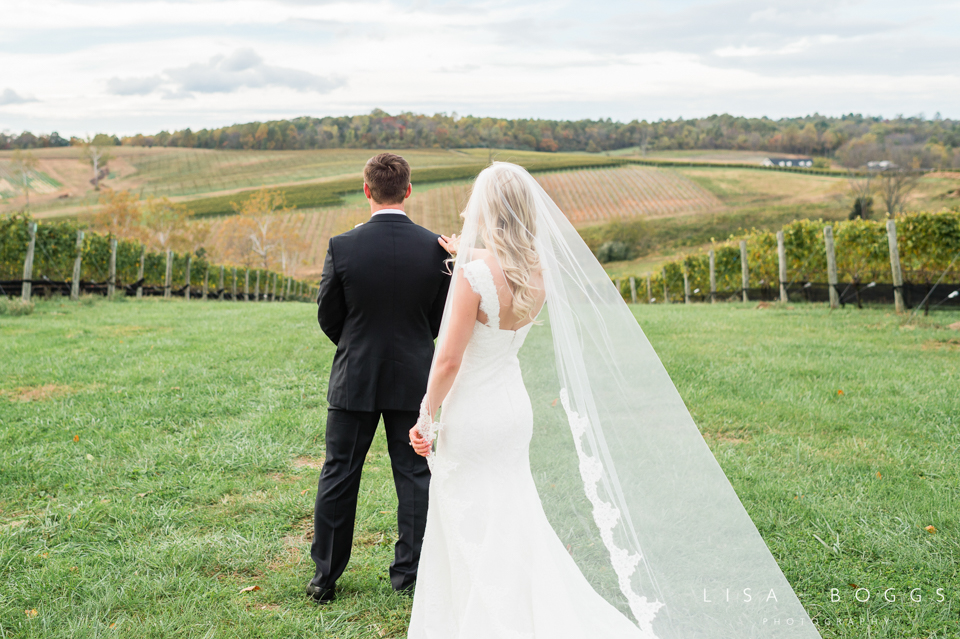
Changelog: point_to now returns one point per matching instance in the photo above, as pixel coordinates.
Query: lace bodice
(489, 344)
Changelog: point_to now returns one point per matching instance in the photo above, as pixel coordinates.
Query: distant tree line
(853, 139)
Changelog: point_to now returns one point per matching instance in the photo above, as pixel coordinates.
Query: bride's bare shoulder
(480, 254)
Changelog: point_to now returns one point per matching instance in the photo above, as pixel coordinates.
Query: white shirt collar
(381, 211)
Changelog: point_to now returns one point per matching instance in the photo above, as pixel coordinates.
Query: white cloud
(243, 68)
(9, 96)
(134, 86)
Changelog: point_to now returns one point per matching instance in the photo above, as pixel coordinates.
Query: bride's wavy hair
(508, 226)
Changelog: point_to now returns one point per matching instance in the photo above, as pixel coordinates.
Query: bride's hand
(450, 244)
(420, 445)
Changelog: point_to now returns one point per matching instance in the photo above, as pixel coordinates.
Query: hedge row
(55, 251)
(928, 243)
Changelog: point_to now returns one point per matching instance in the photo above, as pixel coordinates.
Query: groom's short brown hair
(388, 176)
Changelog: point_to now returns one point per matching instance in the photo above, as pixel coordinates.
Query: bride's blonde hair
(507, 223)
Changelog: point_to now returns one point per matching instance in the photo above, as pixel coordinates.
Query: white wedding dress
(492, 566)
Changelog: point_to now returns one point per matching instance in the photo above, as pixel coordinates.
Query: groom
(382, 294)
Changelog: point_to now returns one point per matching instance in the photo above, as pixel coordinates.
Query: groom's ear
(366, 191)
(409, 190)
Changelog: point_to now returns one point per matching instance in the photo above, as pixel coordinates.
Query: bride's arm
(463, 316)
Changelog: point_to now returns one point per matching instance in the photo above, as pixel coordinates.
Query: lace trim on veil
(606, 515)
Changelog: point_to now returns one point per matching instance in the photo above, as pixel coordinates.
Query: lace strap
(481, 280)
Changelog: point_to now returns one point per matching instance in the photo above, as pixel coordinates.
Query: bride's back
(510, 319)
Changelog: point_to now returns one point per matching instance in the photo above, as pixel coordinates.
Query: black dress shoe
(320, 595)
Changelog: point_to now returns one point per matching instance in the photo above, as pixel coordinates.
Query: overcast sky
(84, 66)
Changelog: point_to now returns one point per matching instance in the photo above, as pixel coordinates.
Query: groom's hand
(420, 445)
(450, 244)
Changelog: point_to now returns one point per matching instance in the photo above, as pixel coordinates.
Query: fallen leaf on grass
(304, 491)
(554, 402)
(931, 529)
(879, 476)
(840, 392)
(89, 457)
(30, 613)
(250, 589)
(386, 512)
(113, 625)
(76, 438)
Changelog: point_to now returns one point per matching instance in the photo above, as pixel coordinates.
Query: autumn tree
(861, 186)
(895, 186)
(258, 215)
(120, 215)
(94, 152)
(23, 164)
(292, 247)
(165, 224)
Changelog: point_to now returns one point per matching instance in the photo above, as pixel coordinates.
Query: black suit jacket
(381, 299)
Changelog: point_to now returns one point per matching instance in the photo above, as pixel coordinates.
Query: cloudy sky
(86, 66)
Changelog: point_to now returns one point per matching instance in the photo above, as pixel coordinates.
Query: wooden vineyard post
(246, 285)
(782, 259)
(143, 259)
(713, 277)
(112, 282)
(221, 288)
(233, 286)
(895, 265)
(26, 288)
(744, 270)
(77, 263)
(206, 283)
(633, 290)
(186, 289)
(618, 283)
(273, 287)
(831, 267)
(256, 291)
(666, 292)
(649, 290)
(168, 275)
(286, 296)
(686, 287)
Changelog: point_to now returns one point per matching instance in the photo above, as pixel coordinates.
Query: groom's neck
(374, 207)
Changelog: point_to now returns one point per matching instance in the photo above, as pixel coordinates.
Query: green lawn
(158, 457)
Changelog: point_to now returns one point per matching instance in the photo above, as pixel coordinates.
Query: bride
(550, 521)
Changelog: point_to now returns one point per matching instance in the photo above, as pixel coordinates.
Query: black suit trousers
(348, 438)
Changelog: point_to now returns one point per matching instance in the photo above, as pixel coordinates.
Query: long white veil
(625, 477)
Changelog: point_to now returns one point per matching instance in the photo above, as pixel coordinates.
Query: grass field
(156, 458)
